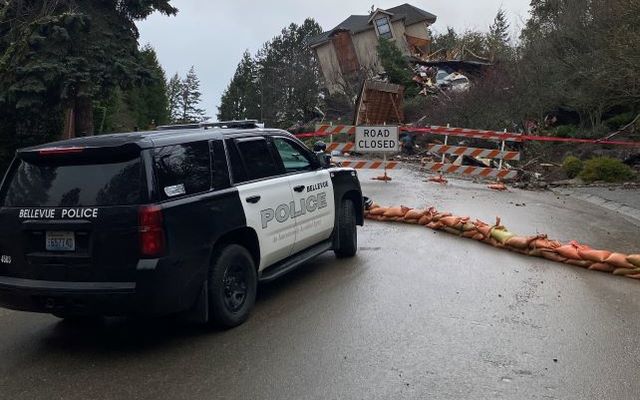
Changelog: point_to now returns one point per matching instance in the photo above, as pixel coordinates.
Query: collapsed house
(350, 48)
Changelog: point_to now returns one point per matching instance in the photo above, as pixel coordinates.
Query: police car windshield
(63, 185)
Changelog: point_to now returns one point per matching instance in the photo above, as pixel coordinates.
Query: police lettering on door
(293, 210)
(377, 139)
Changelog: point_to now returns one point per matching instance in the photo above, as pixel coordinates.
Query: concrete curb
(611, 205)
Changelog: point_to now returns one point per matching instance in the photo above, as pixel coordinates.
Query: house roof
(360, 23)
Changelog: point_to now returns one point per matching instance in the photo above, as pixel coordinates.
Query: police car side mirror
(324, 159)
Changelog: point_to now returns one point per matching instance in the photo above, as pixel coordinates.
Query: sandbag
(438, 216)
(619, 260)
(470, 234)
(597, 256)
(485, 230)
(414, 214)
(544, 243)
(520, 242)
(571, 250)
(626, 271)
(579, 263)
(425, 219)
(378, 211)
(468, 226)
(452, 222)
(602, 267)
(501, 235)
(434, 225)
(634, 259)
(453, 231)
(478, 236)
(395, 212)
(552, 255)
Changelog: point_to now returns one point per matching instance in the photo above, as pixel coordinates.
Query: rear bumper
(92, 298)
(69, 298)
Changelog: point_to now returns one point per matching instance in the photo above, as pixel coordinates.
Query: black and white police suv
(168, 221)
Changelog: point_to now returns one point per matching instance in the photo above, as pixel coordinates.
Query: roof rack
(241, 124)
(177, 126)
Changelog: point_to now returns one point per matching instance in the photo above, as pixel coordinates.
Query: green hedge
(606, 169)
(572, 166)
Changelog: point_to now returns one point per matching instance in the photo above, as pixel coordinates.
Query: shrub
(566, 131)
(605, 169)
(618, 121)
(572, 166)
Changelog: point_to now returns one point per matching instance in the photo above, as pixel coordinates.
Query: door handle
(299, 189)
(253, 199)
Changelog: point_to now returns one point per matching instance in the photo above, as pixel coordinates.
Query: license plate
(60, 241)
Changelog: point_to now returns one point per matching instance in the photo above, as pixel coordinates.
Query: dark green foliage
(240, 100)
(174, 88)
(605, 169)
(396, 66)
(566, 131)
(189, 99)
(289, 76)
(281, 85)
(140, 107)
(572, 166)
(62, 56)
(183, 98)
(498, 38)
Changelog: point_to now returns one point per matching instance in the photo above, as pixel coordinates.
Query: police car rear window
(65, 185)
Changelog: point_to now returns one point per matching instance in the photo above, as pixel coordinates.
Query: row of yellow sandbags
(497, 235)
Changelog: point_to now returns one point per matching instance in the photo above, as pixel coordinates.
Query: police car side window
(256, 158)
(293, 156)
(183, 169)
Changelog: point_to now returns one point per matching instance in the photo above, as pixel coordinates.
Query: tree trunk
(83, 117)
(69, 123)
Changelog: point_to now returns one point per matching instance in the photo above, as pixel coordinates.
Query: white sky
(212, 35)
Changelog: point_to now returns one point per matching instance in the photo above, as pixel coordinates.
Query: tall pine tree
(289, 76)
(58, 57)
(498, 38)
(174, 91)
(241, 99)
(190, 98)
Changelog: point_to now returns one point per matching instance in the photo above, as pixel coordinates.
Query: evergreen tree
(152, 94)
(445, 42)
(289, 76)
(396, 66)
(498, 37)
(241, 99)
(58, 57)
(174, 91)
(189, 99)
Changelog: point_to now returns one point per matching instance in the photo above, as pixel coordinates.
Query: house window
(383, 26)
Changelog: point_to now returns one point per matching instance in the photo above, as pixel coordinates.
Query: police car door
(313, 203)
(265, 195)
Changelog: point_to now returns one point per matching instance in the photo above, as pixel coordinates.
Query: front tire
(347, 232)
(233, 283)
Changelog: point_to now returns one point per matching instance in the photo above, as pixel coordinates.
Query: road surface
(417, 315)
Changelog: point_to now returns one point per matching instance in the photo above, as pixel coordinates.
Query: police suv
(172, 221)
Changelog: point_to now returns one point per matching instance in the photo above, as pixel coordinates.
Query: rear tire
(347, 232)
(233, 283)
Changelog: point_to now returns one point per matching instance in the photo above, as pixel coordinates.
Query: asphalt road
(416, 314)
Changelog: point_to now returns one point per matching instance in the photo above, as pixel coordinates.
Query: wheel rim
(235, 287)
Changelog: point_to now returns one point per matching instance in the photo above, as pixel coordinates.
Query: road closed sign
(377, 139)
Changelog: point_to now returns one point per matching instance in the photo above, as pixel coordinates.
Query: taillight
(60, 150)
(152, 243)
